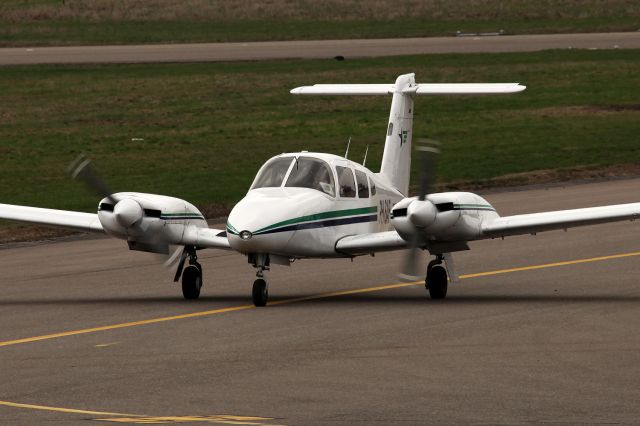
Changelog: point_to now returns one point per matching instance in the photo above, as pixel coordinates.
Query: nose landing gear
(260, 291)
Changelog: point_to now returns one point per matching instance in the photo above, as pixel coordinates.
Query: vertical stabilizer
(396, 159)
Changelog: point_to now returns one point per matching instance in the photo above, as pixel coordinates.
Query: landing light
(246, 235)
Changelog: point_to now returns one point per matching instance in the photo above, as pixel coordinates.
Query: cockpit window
(363, 187)
(311, 173)
(346, 182)
(273, 173)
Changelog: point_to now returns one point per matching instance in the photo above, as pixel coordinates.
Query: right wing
(49, 217)
(355, 245)
(562, 219)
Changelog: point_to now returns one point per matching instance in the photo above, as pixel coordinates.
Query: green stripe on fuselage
(185, 215)
(473, 207)
(231, 229)
(320, 216)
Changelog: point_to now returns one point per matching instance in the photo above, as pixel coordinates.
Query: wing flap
(563, 219)
(49, 217)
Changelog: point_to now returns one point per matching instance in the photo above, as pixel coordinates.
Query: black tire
(431, 264)
(191, 282)
(437, 282)
(260, 292)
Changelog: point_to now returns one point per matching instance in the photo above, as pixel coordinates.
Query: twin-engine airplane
(306, 205)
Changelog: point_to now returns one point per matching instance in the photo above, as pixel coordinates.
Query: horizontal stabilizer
(419, 89)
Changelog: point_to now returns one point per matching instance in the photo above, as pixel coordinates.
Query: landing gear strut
(192, 274)
(260, 292)
(437, 279)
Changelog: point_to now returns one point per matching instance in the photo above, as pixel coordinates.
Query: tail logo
(404, 134)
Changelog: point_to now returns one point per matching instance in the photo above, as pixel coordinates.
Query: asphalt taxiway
(539, 329)
(313, 49)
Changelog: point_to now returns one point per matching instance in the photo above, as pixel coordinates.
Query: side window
(373, 187)
(363, 188)
(390, 129)
(345, 182)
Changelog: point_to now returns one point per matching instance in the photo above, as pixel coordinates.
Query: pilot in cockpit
(306, 172)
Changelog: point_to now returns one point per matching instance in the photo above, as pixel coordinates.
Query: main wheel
(260, 292)
(437, 282)
(191, 282)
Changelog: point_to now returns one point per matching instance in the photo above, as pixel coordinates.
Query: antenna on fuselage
(348, 144)
(365, 156)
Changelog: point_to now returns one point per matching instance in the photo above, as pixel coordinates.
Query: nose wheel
(260, 293)
(437, 279)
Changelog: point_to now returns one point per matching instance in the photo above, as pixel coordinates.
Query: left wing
(49, 217)
(562, 219)
(206, 238)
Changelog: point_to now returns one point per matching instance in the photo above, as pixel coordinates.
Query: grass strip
(201, 131)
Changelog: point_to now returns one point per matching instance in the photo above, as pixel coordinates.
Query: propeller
(428, 150)
(82, 169)
(128, 213)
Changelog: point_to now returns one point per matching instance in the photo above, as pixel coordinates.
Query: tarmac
(313, 49)
(539, 329)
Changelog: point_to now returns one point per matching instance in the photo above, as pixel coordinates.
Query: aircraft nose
(250, 224)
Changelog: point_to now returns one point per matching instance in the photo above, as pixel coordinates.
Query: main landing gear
(192, 274)
(437, 279)
(260, 292)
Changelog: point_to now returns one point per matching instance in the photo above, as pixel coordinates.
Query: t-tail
(396, 159)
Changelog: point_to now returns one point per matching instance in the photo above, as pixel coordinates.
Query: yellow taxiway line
(63, 410)
(302, 299)
(143, 419)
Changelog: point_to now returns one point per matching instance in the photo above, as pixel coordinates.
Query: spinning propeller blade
(82, 169)
(429, 150)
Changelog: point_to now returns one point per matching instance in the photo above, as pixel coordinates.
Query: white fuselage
(304, 222)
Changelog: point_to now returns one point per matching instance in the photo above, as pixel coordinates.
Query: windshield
(272, 173)
(311, 173)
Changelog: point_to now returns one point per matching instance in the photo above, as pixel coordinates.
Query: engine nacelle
(154, 220)
(448, 216)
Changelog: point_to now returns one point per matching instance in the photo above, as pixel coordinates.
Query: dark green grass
(58, 22)
(206, 128)
(142, 32)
